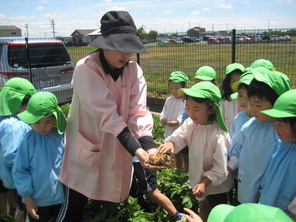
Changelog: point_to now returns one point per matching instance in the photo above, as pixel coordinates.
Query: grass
(164, 59)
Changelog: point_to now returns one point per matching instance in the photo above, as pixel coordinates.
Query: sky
(41, 18)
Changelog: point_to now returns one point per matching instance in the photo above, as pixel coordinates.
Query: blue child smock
(279, 181)
(240, 119)
(254, 148)
(12, 131)
(37, 167)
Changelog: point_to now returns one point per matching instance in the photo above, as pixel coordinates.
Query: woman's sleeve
(140, 121)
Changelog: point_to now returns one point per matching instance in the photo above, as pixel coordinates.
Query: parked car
(194, 39)
(50, 64)
(265, 37)
(239, 39)
(174, 41)
(187, 39)
(273, 37)
(213, 41)
(221, 40)
(246, 38)
(285, 37)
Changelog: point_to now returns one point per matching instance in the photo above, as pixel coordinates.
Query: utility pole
(52, 25)
(27, 29)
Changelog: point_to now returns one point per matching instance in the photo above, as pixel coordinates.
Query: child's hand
(166, 147)
(199, 190)
(164, 121)
(31, 206)
(172, 123)
(192, 217)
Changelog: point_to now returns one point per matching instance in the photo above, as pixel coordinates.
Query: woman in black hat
(107, 119)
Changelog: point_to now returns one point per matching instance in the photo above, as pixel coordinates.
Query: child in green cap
(229, 107)
(261, 63)
(206, 135)
(241, 86)
(242, 213)
(254, 147)
(204, 73)
(14, 97)
(37, 165)
(171, 114)
(278, 183)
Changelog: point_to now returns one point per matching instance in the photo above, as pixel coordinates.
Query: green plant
(158, 129)
(65, 108)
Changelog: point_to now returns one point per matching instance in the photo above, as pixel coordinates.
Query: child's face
(174, 87)
(117, 59)
(243, 100)
(233, 79)
(198, 112)
(44, 125)
(284, 131)
(258, 105)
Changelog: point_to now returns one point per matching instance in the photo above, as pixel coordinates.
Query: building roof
(9, 27)
(84, 31)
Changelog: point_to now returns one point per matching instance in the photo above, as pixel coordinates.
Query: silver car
(46, 63)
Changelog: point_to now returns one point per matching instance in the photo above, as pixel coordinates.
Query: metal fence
(168, 54)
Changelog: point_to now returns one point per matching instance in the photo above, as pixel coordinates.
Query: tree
(153, 34)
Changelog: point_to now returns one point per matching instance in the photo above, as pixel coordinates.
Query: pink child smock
(95, 163)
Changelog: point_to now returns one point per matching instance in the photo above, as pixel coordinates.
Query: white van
(49, 61)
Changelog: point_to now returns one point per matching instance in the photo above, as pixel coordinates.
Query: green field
(164, 59)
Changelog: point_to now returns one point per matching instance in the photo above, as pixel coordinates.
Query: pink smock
(95, 163)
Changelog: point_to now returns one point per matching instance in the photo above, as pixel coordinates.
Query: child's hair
(225, 87)
(183, 84)
(292, 123)
(243, 86)
(25, 100)
(262, 91)
(209, 103)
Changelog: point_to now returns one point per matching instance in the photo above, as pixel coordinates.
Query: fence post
(138, 58)
(233, 45)
(29, 60)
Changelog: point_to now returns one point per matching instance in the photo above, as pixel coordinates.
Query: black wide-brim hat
(118, 32)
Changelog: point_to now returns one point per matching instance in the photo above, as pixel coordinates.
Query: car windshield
(41, 55)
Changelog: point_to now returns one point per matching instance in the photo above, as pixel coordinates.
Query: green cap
(245, 78)
(40, 105)
(248, 212)
(234, 66)
(261, 63)
(178, 76)
(206, 73)
(278, 81)
(284, 106)
(13, 93)
(207, 90)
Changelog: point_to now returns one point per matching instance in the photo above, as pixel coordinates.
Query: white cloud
(39, 8)
(222, 5)
(168, 12)
(246, 3)
(195, 13)
(206, 9)
(107, 0)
